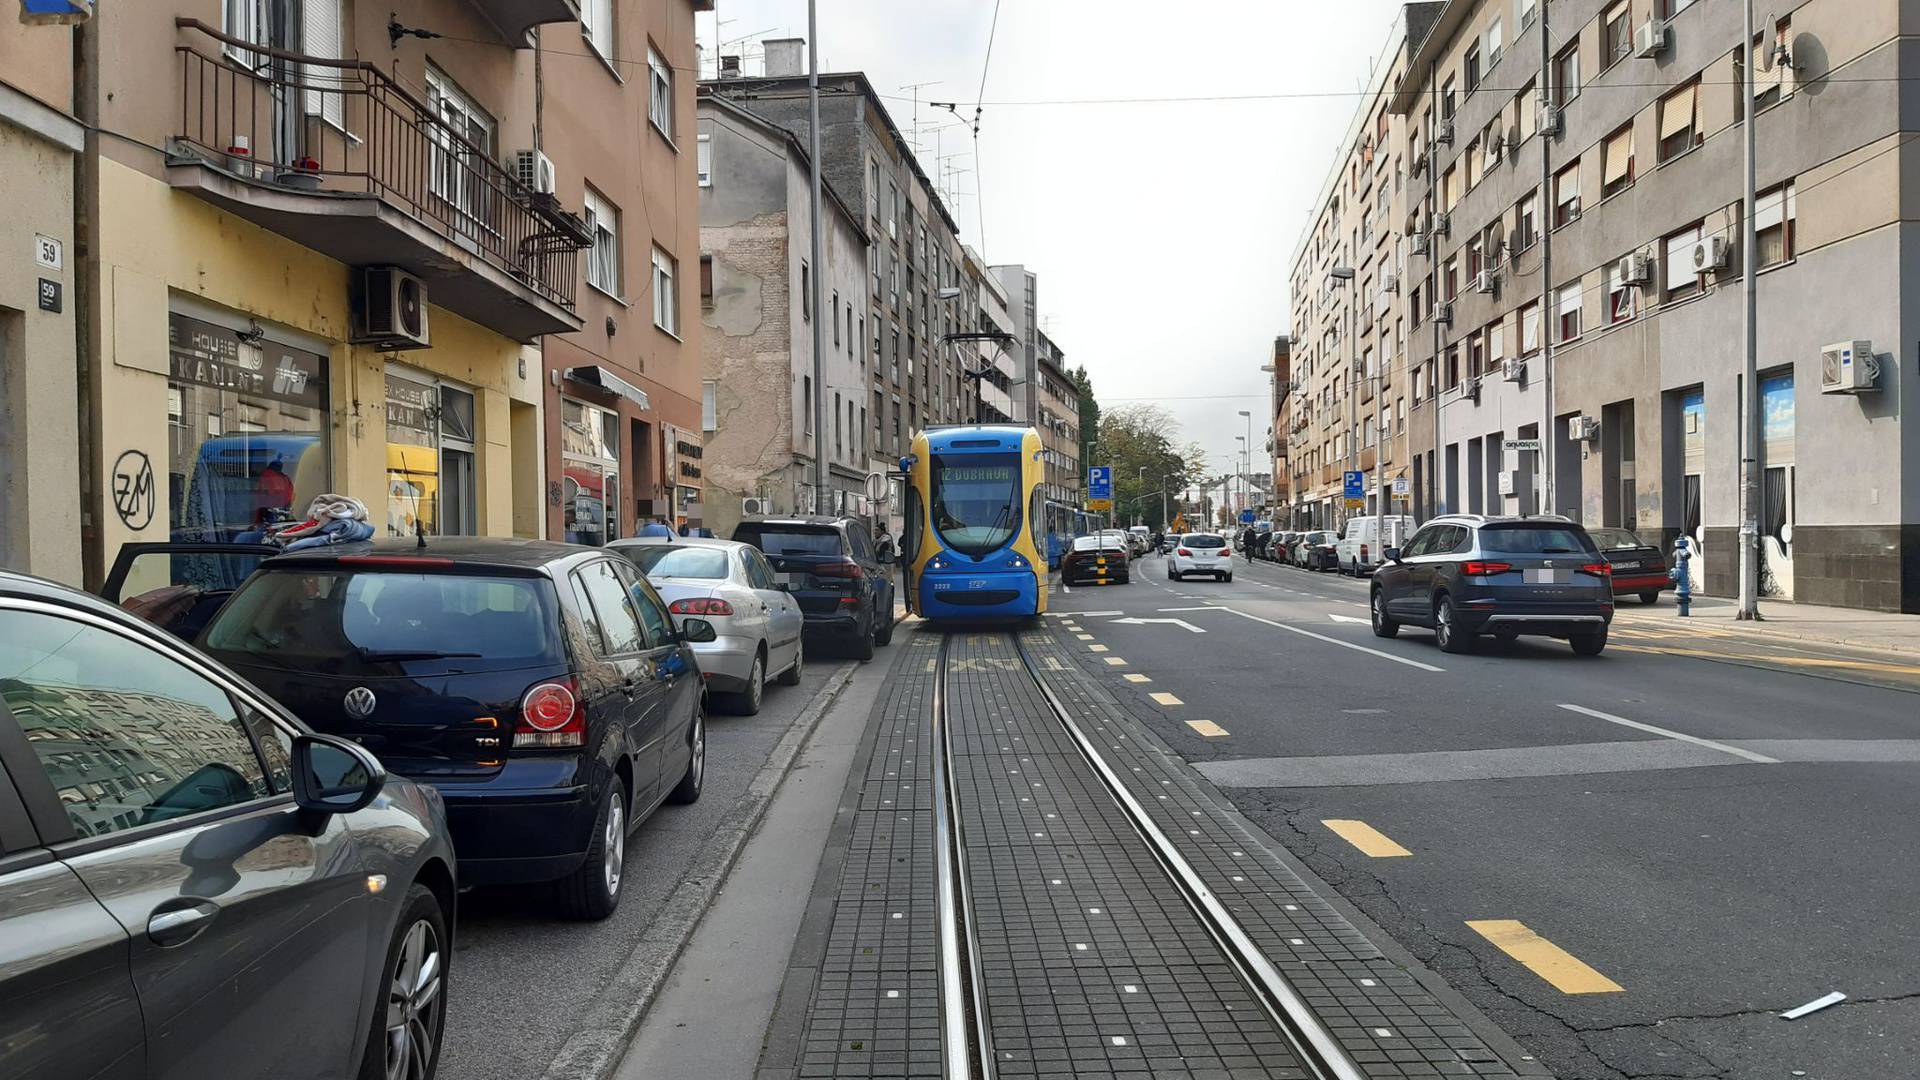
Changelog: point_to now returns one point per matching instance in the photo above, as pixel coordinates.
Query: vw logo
(359, 703)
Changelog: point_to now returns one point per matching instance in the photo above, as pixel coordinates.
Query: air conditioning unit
(1419, 166)
(752, 506)
(1549, 120)
(1443, 134)
(1583, 428)
(1471, 390)
(1848, 367)
(1420, 243)
(535, 170)
(1443, 314)
(1650, 39)
(393, 309)
(1634, 269)
(1483, 282)
(1442, 224)
(1389, 283)
(1710, 254)
(1513, 369)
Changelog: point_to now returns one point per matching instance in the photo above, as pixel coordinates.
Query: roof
(674, 541)
(775, 129)
(503, 551)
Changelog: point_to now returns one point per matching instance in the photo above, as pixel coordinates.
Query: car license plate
(1627, 564)
(1548, 577)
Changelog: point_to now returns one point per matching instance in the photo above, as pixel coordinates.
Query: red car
(1639, 569)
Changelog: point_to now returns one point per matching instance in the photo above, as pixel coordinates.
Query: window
(322, 35)
(1771, 78)
(709, 405)
(596, 25)
(590, 473)
(1566, 195)
(603, 261)
(127, 736)
(1526, 222)
(703, 154)
(465, 132)
(600, 588)
(1530, 328)
(653, 615)
(1616, 162)
(1678, 130)
(1449, 190)
(1446, 101)
(1526, 108)
(1670, 8)
(873, 189)
(833, 313)
(706, 279)
(1773, 214)
(893, 210)
(1494, 43)
(1450, 278)
(431, 441)
(1616, 35)
(1474, 163)
(666, 296)
(1566, 74)
(806, 404)
(1472, 73)
(806, 292)
(1496, 345)
(1678, 248)
(1528, 11)
(246, 20)
(659, 93)
(1476, 258)
(1567, 301)
(1619, 295)
(1476, 354)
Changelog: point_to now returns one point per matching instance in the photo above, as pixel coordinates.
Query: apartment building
(40, 506)
(1279, 372)
(1056, 414)
(1630, 172)
(992, 360)
(1350, 380)
(756, 282)
(326, 242)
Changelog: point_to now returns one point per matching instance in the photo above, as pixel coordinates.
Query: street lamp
(1246, 449)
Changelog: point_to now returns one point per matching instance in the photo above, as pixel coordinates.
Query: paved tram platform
(1087, 956)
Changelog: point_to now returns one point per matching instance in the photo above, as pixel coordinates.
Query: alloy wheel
(413, 1004)
(699, 747)
(615, 844)
(756, 683)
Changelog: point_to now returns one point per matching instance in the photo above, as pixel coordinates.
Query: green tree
(1089, 417)
(1139, 442)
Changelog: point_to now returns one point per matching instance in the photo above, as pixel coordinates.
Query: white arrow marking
(1176, 622)
(1344, 618)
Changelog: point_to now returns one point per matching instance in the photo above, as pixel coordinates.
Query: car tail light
(1183, 552)
(551, 715)
(1476, 568)
(847, 569)
(701, 606)
(1598, 569)
(1226, 553)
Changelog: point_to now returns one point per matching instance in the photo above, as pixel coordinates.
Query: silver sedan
(756, 622)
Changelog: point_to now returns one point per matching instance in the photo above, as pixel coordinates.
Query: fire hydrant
(1682, 577)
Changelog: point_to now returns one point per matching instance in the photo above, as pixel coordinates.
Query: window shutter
(1619, 155)
(321, 36)
(1767, 209)
(1569, 298)
(1676, 113)
(1680, 273)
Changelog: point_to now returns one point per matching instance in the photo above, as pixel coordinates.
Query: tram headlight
(936, 563)
(1017, 563)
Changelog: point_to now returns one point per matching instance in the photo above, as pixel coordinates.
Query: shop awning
(595, 375)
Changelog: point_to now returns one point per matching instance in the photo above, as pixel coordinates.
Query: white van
(1358, 550)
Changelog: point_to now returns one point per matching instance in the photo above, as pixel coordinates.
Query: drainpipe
(819, 266)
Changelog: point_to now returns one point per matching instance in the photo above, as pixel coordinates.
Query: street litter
(1815, 1005)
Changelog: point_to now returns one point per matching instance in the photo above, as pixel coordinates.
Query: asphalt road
(524, 979)
(1631, 863)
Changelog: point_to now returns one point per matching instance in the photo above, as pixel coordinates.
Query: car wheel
(592, 891)
(791, 676)
(1227, 577)
(405, 1041)
(1382, 625)
(1446, 634)
(747, 702)
(1171, 575)
(883, 634)
(688, 789)
(863, 642)
(1590, 643)
(1650, 598)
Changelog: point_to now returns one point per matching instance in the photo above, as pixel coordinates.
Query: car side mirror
(334, 776)
(1391, 554)
(697, 630)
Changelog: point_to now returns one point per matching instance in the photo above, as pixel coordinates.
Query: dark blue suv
(840, 576)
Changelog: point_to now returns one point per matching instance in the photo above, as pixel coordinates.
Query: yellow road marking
(1054, 664)
(1116, 661)
(1369, 840)
(1207, 727)
(1084, 637)
(1167, 699)
(1130, 677)
(1097, 648)
(1564, 971)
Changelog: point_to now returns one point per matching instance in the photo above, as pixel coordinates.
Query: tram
(974, 543)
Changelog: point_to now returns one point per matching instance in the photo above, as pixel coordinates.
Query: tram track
(967, 1025)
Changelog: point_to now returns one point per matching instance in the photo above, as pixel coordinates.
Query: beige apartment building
(328, 240)
(1056, 415)
(1279, 421)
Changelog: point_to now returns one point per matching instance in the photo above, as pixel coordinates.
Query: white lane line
(1066, 588)
(1089, 614)
(1209, 607)
(1336, 641)
(1651, 729)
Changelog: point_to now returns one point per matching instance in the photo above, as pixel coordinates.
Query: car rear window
(1518, 539)
(339, 621)
(1203, 540)
(790, 540)
(678, 562)
(1615, 539)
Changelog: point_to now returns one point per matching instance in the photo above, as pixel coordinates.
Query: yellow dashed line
(1564, 971)
(1167, 699)
(1084, 637)
(1371, 841)
(1207, 727)
(1130, 677)
(1097, 648)
(1115, 661)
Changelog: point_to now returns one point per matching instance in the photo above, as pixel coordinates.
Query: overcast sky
(1162, 232)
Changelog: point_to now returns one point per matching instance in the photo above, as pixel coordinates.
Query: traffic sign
(1246, 517)
(1401, 486)
(1100, 482)
(1521, 444)
(1356, 484)
(1102, 505)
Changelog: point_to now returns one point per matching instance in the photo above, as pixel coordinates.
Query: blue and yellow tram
(975, 535)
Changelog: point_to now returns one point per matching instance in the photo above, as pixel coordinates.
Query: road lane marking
(1337, 641)
(1096, 648)
(1053, 664)
(1088, 614)
(1564, 971)
(1207, 727)
(1116, 661)
(1084, 637)
(1132, 677)
(1761, 759)
(1207, 607)
(1371, 841)
(1163, 698)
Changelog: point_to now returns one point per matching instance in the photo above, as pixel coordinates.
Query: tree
(1089, 415)
(1141, 436)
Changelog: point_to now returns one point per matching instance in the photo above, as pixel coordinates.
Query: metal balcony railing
(307, 123)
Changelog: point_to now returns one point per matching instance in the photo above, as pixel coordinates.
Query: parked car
(732, 586)
(1201, 553)
(192, 882)
(1097, 557)
(1141, 539)
(1358, 549)
(1468, 574)
(178, 586)
(542, 687)
(842, 581)
(1315, 551)
(1281, 550)
(1639, 568)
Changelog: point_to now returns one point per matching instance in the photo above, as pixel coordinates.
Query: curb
(1736, 627)
(595, 1050)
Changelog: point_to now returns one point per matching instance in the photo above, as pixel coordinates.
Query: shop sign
(208, 355)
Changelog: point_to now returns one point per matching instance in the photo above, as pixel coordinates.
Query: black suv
(1468, 574)
(542, 688)
(833, 567)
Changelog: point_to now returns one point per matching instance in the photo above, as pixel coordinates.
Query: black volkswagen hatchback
(541, 687)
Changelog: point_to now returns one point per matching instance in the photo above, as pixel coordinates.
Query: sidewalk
(1878, 630)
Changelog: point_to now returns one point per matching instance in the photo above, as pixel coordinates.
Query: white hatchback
(1201, 553)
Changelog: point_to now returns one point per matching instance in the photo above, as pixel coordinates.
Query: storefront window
(430, 465)
(590, 463)
(246, 431)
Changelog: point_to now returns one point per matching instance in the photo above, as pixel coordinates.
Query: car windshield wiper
(376, 655)
(1556, 551)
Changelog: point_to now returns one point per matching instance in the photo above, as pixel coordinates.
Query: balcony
(270, 143)
(513, 18)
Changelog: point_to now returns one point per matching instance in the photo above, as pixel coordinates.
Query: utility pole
(1749, 389)
(820, 313)
(1433, 298)
(1548, 199)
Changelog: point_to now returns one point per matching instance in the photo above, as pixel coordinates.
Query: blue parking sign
(1356, 485)
(1100, 482)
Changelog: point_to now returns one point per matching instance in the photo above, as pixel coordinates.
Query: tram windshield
(976, 500)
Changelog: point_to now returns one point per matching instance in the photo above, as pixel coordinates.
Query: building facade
(1622, 152)
(756, 279)
(1279, 421)
(1056, 414)
(993, 360)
